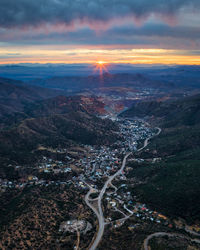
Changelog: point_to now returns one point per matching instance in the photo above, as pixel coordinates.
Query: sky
(111, 31)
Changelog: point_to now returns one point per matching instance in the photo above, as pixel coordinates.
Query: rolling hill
(15, 95)
(58, 121)
(171, 186)
(79, 83)
(185, 111)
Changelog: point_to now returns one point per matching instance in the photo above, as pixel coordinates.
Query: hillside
(180, 121)
(185, 111)
(57, 121)
(63, 105)
(171, 186)
(14, 96)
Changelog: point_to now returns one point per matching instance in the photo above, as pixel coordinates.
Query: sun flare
(100, 62)
(101, 67)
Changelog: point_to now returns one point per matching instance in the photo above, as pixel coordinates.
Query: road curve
(88, 203)
(99, 214)
(146, 142)
(161, 234)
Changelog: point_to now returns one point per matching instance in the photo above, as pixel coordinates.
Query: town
(91, 163)
(86, 168)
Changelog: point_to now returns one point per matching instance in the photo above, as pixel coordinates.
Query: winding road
(161, 234)
(99, 213)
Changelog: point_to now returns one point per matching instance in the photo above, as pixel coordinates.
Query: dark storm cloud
(17, 13)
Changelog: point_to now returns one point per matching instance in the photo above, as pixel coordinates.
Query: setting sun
(100, 67)
(101, 62)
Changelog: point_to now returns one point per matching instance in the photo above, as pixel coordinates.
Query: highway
(99, 213)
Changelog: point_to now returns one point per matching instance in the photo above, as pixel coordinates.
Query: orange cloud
(48, 54)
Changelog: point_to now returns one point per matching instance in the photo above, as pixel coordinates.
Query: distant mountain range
(80, 83)
(181, 76)
(184, 75)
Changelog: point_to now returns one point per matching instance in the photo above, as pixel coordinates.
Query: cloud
(10, 55)
(150, 35)
(27, 13)
(168, 24)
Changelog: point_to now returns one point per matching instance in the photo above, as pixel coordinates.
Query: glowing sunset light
(98, 56)
(100, 67)
(100, 32)
(101, 62)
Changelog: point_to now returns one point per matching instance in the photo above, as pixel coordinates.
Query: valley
(88, 172)
(99, 125)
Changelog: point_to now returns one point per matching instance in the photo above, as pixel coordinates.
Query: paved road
(99, 213)
(88, 203)
(161, 234)
(192, 232)
(146, 142)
